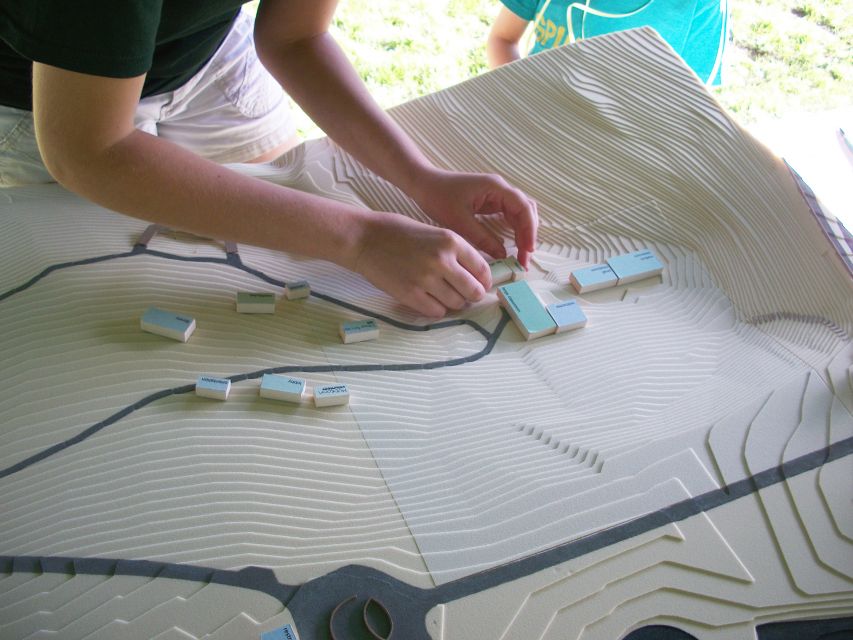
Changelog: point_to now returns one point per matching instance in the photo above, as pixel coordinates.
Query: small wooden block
(282, 633)
(282, 388)
(168, 324)
(526, 310)
(255, 302)
(500, 272)
(328, 395)
(588, 279)
(359, 330)
(518, 272)
(215, 388)
(567, 314)
(297, 290)
(639, 265)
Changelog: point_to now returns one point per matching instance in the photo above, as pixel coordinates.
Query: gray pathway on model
(233, 259)
(408, 606)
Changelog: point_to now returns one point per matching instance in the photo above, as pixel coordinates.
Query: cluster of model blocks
(535, 319)
(273, 386)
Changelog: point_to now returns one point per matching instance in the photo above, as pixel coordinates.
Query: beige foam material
(737, 359)
(131, 608)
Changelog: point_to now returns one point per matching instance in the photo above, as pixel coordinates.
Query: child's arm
(504, 38)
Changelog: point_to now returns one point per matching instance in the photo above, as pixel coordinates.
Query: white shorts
(232, 110)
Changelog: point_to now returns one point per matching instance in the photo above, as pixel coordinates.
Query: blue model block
(592, 278)
(567, 314)
(359, 330)
(282, 633)
(526, 310)
(631, 267)
(168, 324)
(282, 388)
(216, 388)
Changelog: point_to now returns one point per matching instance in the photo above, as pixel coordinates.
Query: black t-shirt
(168, 39)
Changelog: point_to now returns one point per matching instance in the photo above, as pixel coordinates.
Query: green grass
(784, 56)
(788, 56)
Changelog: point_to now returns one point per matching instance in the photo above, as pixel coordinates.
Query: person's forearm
(317, 74)
(153, 179)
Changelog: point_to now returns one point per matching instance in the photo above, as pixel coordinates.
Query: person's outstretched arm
(85, 132)
(293, 42)
(84, 127)
(504, 38)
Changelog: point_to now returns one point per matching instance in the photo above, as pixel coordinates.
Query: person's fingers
(474, 278)
(447, 295)
(481, 236)
(424, 303)
(518, 210)
(521, 214)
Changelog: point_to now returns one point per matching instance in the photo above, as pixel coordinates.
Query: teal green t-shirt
(169, 40)
(695, 29)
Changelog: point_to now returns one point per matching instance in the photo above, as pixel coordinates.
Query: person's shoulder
(524, 9)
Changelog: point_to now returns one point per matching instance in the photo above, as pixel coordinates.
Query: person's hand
(456, 199)
(429, 269)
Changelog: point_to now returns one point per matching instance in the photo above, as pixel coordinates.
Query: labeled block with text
(168, 324)
(526, 310)
(283, 388)
(248, 302)
(567, 315)
(329, 395)
(359, 330)
(215, 388)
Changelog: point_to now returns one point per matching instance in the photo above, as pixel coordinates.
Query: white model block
(167, 324)
(215, 388)
(518, 272)
(329, 395)
(639, 265)
(567, 314)
(588, 279)
(359, 330)
(248, 302)
(297, 290)
(283, 388)
(500, 272)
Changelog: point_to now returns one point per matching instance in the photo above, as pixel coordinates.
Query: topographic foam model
(678, 468)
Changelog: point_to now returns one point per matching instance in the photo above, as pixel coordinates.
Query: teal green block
(638, 265)
(588, 279)
(525, 308)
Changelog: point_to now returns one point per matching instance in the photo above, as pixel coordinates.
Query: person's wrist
(423, 184)
(355, 233)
